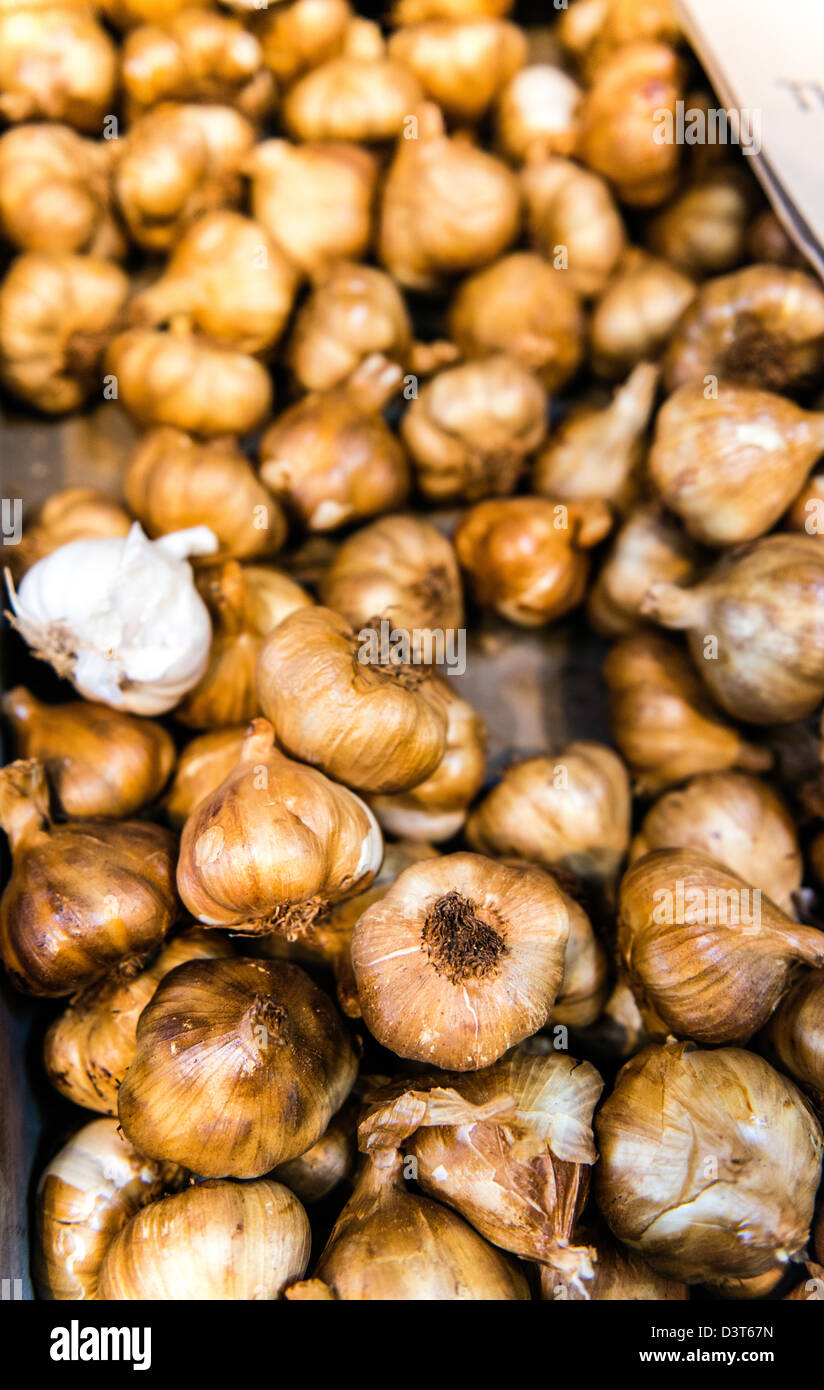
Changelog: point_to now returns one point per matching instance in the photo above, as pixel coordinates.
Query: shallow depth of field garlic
(174, 481)
(120, 617)
(56, 63)
(462, 959)
(240, 1065)
(650, 547)
(525, 308)
(203, 764)
(195, 55)
(57, 315)
(795, 1035)
(692, 1220)
(536, 113)
(461, 65)
(118, 877)
(297, 35)
(570, 211)
(55, 192)
(620, 115)
(99, 761)
(526, 557)
(359, 713)
(314, 200)
(637, 312)
(730, 466)
(702, 231)
(214, 1241)
(274, 844)
(401, 568)
(448, 207)
(363, 94)
(764, 606)
(598, 453)
(570, 811)
(354, 312)
(736, 819)
(662, 720)
(84, 1197)
(593, 29)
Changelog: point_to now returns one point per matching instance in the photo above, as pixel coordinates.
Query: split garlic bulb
(195, 55)
(629, 90)
(363, 94)
(121, 618)
(56, 63)
(634, 317)
(650, 547)
(204, 763)
(536, 113)
(55, 192)
(571, 212)
(461, 65)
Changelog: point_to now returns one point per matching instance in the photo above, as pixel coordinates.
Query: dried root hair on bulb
(384, 722)
(795, 1036)
(521, 306)
(245, 603)
(536, 114)
(598, 453)
(57, 63)
(736, 819)
(85, 1195)
(471, 428)
(196, 55)
(619, 115)
(448, 207)
(315, 201)
(618, 1274)
(634, 317)
(327, 1164)
(58, 313)
(300, 35)
(201, 767)
(214, 1241)
(462, 959)
(70, 514)
(274, 844)
(702, 232)
(762, 326)
(571, 211)
(174, 481)
(55, 192)
(570, 811)
(364, 94)
(89, 1048)
(100, 762)
(526, 557)
(391, 1245)
(764, 605)
(650, 547)
(691, 1220)
(240, 1065)
(461, 65)
(666, 727)
(118, 877)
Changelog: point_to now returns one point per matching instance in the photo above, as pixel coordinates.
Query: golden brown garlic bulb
(585, 988)
(526, 557)
(536, 113)
(795, 1035)
(56, 63)
(245, 603)
(215, 1241)
(448, 207)
(354, 312)
(523, 307)
(314, 200)
(196, 55)
(363, 94)
(472, 427)
(736, 819)
(174, 481)
(117, 876)
(240, 1065)
(573, 221)
(618, 1276)
(664, 724)
(755, 628)
(620, 116)
(461, 65)
(85, 1196)
(70, 514)
(806, 515)
(55, 192)
(637, 312)
(767, 240)
(318, 1171)
(341, 703)
(202, 766)
(57, 315)
(124, 14)
(420, 11)
(762, 326)
(650, 547)
(99, 761)
(702, 231)
(462, 959)
(300, 34)
(89, 1048)
(570, 811)
(593, 29)
(709, 1162)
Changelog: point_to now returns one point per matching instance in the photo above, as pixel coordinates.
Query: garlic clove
(58, 63)
(650, 547)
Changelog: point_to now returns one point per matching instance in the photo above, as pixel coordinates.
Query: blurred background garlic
(462, 65)
(364, 94)
(636, 313)
(536, 113)
(630, 89)
(296, 35)
(618, 1275)
(419, 11)
(55, 192)
(329, 1161)
(573, 221)
(56, 63)
(649, 547)
(70, 514)
(586, 983)
(701, 232)
(794, 1035)
(196, 55)
(203, 764)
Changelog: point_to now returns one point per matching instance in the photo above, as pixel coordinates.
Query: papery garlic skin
(795, 1035)
(461, 66)
(121, 618)
(535, 114)
(674, 1107)
(635, 315)
(201, 767)
(649, 548)
(55, 192)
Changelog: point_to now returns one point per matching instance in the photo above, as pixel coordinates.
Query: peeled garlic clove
(730, 465)
(121, 618)
(689, 1181)
(202, 766)
(702, 232)
(272, 861)
(99, 762)
(89, 1048)
(461, 65)
(619, 115)
(383, 725)
(795, 1035)
(301, 34)
(363, 94)
(318, 1171)
(755, 628)
(462, 959)
(634, 318)
(710, 954)
(55, 192)
(618, 1276)
(117, 876)
(216, 1240)
(354, 312)
(84, 1197)
(650, 547)
(526, 557)
(240, 1065)
(195, 56)
(56, 62)
(70, 514)
(598, 453)
(536, 113)
(664, 724)
(762, 326)
(448, 207)
(573, 221)
(736, 819)
(57, 314)
(523, 307)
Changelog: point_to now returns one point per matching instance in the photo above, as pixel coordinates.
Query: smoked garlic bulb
(318, 1171)
(55, 192)
(201, 767)
(795, 1035)
(195, 55)
(296, 35)
(56, 63)
(536, 113)
(618, 1275)
(420, 11)
(461, 65)
(650, 547)
(634, 318)
(363, 94)
(620, 115)
(354, 312)
(585, 988)
(702, 231)
(573, 221)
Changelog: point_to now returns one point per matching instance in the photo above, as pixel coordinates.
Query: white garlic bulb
(120, 616)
